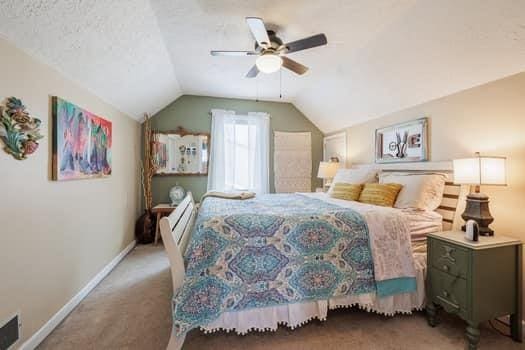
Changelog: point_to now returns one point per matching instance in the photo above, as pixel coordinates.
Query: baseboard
(48, 327)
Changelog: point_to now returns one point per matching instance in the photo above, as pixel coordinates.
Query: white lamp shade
(269, 63)
(480, 171)
(327, 170)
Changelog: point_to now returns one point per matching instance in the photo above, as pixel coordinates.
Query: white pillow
(420, 191)
(354, 176)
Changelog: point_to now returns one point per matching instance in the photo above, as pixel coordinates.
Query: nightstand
(160, 210)
(478, 281)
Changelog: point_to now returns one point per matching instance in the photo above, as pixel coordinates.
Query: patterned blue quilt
(271, 250)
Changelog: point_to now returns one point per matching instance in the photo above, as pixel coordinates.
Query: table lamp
(477, 171)
(327, 171)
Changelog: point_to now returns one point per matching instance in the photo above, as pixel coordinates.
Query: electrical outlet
(10, 332)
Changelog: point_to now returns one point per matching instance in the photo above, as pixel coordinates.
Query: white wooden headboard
(453, 202)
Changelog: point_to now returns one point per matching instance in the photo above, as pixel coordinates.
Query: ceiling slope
(382, 56)
(112, 48)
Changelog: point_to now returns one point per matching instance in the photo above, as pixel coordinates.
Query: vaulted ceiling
(382, 56)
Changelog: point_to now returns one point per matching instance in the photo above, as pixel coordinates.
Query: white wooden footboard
(175, 230)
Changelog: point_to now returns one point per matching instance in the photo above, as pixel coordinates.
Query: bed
(289, 258)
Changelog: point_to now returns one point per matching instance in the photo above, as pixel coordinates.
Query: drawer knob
(445, 294)
(446, 268)
(448, 253)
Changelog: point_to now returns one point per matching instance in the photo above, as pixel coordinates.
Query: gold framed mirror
(180, 152)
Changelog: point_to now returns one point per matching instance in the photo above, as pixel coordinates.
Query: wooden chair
(175, 230)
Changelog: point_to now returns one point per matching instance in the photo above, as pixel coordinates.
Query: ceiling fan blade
(258, 30)
(233, 53)
(294, 66)
(306, 43)
(252, 73)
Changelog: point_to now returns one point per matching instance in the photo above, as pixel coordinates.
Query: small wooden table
(162, 209)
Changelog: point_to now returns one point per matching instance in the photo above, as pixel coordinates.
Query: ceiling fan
(271, 50)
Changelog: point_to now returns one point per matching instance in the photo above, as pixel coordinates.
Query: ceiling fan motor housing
(274, 44)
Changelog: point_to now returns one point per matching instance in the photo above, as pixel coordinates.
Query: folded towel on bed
(229, 195)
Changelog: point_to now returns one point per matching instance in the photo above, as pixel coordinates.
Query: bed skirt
(295, 315)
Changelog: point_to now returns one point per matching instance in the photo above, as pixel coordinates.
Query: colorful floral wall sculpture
(19, 131)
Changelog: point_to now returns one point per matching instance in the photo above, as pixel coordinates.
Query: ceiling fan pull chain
(281, 83)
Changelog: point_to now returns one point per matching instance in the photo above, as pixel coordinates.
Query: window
(239, 156)
(239, 152)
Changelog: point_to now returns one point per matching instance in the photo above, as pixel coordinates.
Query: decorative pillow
(420, 191)
(349, 192)
(380, 194)
(361, 175)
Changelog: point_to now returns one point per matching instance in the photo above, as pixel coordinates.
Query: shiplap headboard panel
(453, 202)
(449, 206)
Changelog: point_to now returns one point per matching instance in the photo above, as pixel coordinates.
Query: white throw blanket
(228, 195)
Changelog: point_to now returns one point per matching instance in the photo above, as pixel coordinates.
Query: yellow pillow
(349, 192)
(380, 194)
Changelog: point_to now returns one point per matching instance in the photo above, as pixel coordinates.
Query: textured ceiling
(112, 48)
(382, 55)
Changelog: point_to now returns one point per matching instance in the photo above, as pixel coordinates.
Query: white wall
(55, 236)
(490, 119)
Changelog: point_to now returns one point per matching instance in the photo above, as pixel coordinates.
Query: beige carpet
(130, 309)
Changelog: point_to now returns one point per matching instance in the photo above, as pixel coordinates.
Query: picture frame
(82, 143)
(403, 142)
(334, 147)
(180, 152)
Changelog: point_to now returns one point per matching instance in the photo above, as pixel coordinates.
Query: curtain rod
(269, 115)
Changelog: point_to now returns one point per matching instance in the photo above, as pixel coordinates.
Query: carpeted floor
(130, 309)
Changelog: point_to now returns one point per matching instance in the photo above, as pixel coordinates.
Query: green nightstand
(478, 281)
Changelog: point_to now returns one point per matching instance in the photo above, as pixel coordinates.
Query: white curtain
(240, 147)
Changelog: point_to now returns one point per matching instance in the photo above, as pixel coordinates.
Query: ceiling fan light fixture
(272, 51)
(269, 63)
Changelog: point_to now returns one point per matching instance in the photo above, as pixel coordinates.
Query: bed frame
(175, 229)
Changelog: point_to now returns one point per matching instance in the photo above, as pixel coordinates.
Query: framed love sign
(405, 142)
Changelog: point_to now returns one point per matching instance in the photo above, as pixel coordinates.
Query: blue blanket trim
(396, 286)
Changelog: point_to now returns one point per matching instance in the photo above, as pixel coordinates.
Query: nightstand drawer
(450, 258)
(449, 291)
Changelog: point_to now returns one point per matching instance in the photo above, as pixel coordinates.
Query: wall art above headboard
(405, 142)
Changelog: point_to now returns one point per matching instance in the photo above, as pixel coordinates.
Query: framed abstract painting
(405, 142)
(81, 142)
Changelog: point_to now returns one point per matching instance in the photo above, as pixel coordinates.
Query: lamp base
(477, 209)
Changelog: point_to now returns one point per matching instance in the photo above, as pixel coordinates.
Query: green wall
(192, 113)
